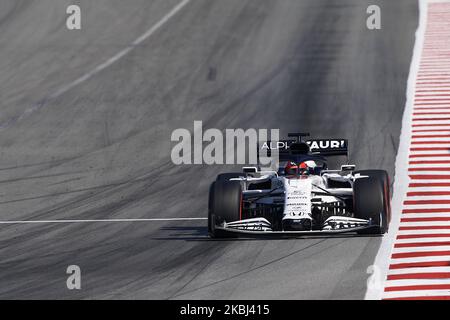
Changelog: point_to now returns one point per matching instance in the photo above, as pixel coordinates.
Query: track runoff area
(414, 259)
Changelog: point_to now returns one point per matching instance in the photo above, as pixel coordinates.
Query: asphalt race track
(100, 148)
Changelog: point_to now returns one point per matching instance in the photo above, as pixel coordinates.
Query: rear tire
(225, 205)
(211, 218)
(371, 200)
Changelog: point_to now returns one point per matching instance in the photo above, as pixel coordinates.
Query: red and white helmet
(291, 168)
(304, 168)
(307, 167)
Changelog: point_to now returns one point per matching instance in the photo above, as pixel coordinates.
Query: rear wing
(328, 147)
(321, 147)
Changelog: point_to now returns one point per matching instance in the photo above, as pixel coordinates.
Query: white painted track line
(96, 220)
(421, 249)
(421, 259)
(407, 282)
(420, 270)
(429, 293)
(443, 240)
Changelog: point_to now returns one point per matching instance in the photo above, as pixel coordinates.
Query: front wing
(260, 226)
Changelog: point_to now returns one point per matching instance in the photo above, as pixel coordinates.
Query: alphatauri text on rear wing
(323, 147)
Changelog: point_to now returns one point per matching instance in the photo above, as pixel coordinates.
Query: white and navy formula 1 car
(303, 197)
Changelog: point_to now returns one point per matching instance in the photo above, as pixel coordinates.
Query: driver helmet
(291, 168)
(307, 167)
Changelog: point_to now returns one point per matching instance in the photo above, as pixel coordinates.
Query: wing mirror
(250, 169)
(348, 167)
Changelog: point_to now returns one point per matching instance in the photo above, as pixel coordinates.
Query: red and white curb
(414, 259)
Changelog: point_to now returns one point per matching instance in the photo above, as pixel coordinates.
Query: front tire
(371, 200)
(225, 205)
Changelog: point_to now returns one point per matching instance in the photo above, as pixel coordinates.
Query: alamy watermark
(373, 21)
(231, 146)
(74, 279)
(375, 281)
(73, 21)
